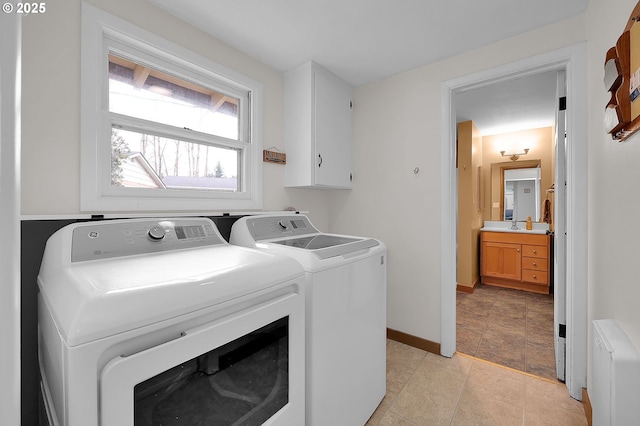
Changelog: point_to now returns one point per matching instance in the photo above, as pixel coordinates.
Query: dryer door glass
(242, 382)
(245, 367)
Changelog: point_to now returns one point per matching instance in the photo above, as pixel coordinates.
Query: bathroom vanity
(518, 259)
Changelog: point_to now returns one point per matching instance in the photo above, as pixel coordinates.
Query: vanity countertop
(504, 226)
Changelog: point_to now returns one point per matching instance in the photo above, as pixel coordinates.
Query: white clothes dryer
(148, 321)
(345, 294)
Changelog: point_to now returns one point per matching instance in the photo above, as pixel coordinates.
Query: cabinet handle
(517, 250)
(534, 252)
(535, 264)
(320, 163)
(534, 277)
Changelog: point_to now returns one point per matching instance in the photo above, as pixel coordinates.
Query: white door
(560, 228)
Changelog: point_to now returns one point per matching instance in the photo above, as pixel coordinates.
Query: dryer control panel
(116, 238)
(268, 227)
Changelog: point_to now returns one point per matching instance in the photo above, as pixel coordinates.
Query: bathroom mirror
(521, 194)
(516, 186)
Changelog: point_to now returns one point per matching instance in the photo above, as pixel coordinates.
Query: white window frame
(103, 33)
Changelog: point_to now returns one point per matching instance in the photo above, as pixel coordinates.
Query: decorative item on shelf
(514, 156)
(622, 80)
(273, 155)
(613, 116)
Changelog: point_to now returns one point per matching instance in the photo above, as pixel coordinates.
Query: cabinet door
(332, 131)
(501, 260)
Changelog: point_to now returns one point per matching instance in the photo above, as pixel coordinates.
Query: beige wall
(470, 151)
(541, 147)
(51, 105)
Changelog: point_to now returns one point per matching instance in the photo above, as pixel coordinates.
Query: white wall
(614, 196)
(397, 128)
(51, 105)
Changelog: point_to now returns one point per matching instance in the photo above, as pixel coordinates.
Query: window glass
(141, 160)
(139, 91)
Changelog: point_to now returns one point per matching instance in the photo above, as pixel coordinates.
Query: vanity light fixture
(515, 155)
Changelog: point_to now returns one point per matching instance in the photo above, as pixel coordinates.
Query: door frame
(10, 89)
(573, 59)
(560, 227)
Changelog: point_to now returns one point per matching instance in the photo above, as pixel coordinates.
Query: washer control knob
(156, 233)
(282, 224)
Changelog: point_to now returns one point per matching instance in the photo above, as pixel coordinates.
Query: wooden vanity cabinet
(516, 260)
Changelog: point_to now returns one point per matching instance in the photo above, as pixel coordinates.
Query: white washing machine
(163, 322)
(345, 313)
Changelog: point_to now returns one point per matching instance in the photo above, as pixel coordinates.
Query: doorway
(505, 319)
(508, 323)
(573, 60)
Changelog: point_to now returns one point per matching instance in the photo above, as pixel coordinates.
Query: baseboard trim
(586, 403)
(466, 289)
(518, 285)
(415, 341)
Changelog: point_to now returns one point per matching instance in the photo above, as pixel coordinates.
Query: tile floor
(509, 327)
(427, 389)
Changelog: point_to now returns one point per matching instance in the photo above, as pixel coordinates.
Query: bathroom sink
(523, 230)
(504, 226)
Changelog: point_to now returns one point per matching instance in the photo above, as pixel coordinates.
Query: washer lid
(325, 246)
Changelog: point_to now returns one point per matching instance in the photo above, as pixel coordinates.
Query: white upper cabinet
(317, 125)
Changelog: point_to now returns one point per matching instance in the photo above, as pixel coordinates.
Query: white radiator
(615, 396)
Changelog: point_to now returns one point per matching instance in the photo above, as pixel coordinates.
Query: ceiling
(512, 105)
(363, 41)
